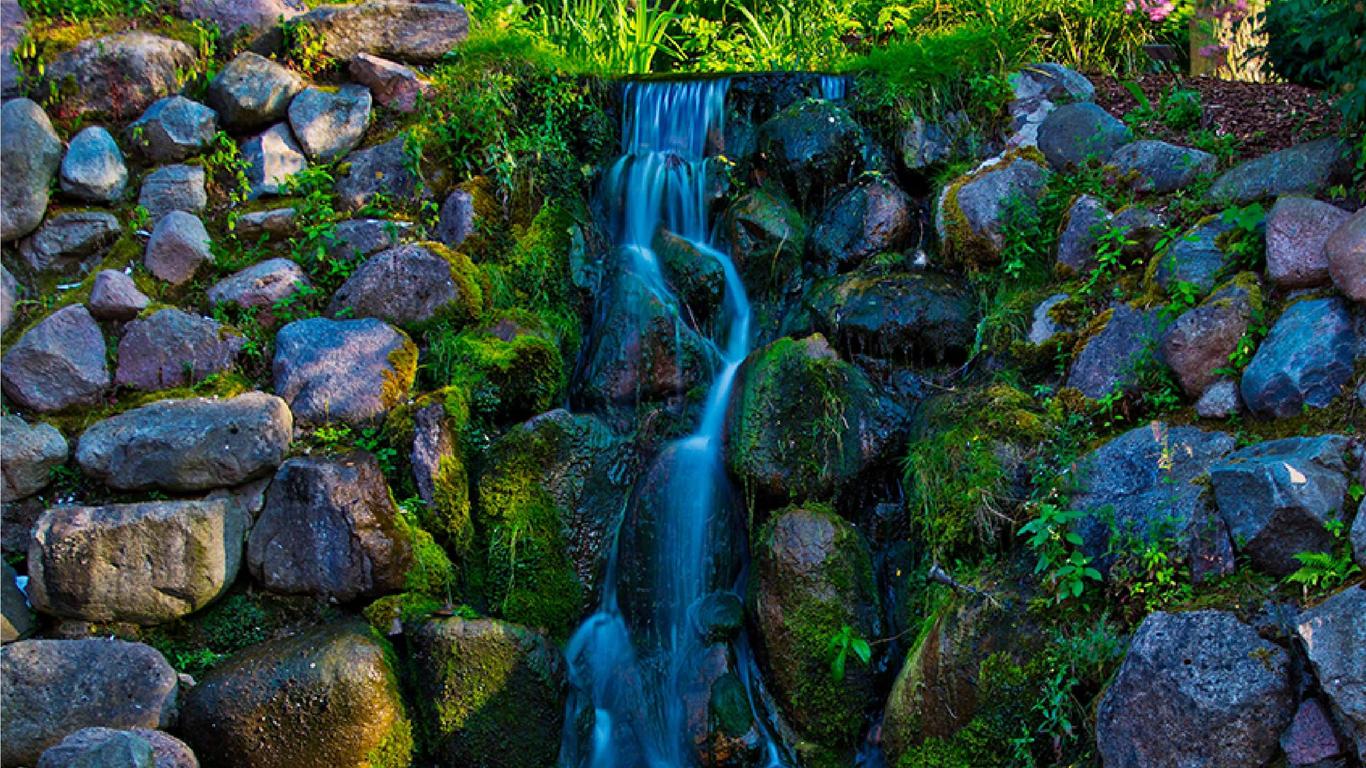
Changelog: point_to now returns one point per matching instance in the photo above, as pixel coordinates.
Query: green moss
(404, 607)
(511, 370)
(219, 385)
(448, 514)
(396, 750)
(1006, 693)
(401, 374)
(469, 287)
(431, 572)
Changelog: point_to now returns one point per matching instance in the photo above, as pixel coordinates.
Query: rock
(58, 363)
(16, 620)
(922, 144)
(381, 169)
(457, 220)
(171, 348)
(1044, 326)
(394, 86)
(117, 749)
(115, 296)
(277, 222)
(1074, 135)
(350, 371)
(1086, 221)
(272, 159)
(1036, 88)
(234, 17)
(872, 217)
(325, 698)
(118, 76)
(1196, 257)
(330, 124)
(1333, 633)
(1219, 401)
(1198, 687)
(30, 454)
(260, 286)
(330, 529)
(140, 563)
(1197, 345)
(173, 188)
(410, 285)
(814, 576)
(1310, 740)
(436, 459)
(1304, 361)
(1359, 536)
(190, 445)
(93, 169)
(1276, 496)
(910, 316)
(767, 239)
(33, 152)
(355, 239)
(812, 146)
(12, 22)
(1145, 231)
(971, 214)
(694, 274)
(178, 247)
(173, 129)
(1304, 169)
(53, 688)
(66, 243)
(411, 32)
(252, 92)
(167, 750)
(720, 616)
(9, 296)
(474, 677)
(1157, 167)
(1111, 360)
(1296, 230)
(1345, 251)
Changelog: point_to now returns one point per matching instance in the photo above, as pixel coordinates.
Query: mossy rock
(975, 209)
(813, 146)
(427, 433)
(510, 369)
(694, 273)
(910, 316)
(767, 238)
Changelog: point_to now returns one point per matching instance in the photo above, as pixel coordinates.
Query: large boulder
(694, 274)
(171, 348)
(872, 217)
(410, 285)
(173, 188)
(28, 455)
(972, 213)
(93, 747)
(907, 316)
(1112, 358)
(188, 445)
(329, 528)
(143, 563)
(1304, 361)
(355, 239)
(1080, 133)
(93, 169)
(325, 698)
(1296, 230)
(413, 32)
(1197, 257)
(58, 363)
(812, 146)
(173, 129)
(272, 158)
(238, 17)
(118, 76)
(1276, 496)
(394, 86)
(1334, 634)
(330, 124)
(253, 92)
(1197, 345)
(379, 170)
(1197, 688)
(32, 153)
(1345, 251)
(350, 371)
(66, 244)
(1087, 219)
(1304, 169)
(767, 238)
(52, 688)
(1158, 167)
(260, 286)
(115, 296)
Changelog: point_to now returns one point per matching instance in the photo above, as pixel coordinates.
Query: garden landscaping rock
(1196, 257)
(693, 273)
(1304, 169)
(393, 85)
(252, 92)
(910, 316)
(330, 124)
(348, 371)
(1333, 633)
(1198, 343)
(330, 529)
(476, 675)
(109, 748)
(172, 348)
(1345, 251)
(1113, 357)
(12, 22)
(1359, 536)
(93, 169)
(767, 237)
(118, 76)
(1044, 326)
(1310, 739)
(277, 222)
(1304, 361)
(260, 286)
(872, 217)
(1196, 688)
(16, 620)
(182, 446)
(1276, 496)
(53, 688)
(325, 698)
(812, 146)
(178, 247)
(115, 296)
(67, 243)
(1144, 228)
(235, 17)
(970, 216)
(380, 169)
(1087, 220)
(272, 158)
(58, 363)
(9, 296)
(173, 188)
(30, 453)
(141, 563)
(32, 151)
(355, 239)
(1219, 401)
(409, 285)
(410, 32)
(1296, 230)
(457, 220)
(1158, 167)
(173, 129)
(1076, 134)
(1037, 89)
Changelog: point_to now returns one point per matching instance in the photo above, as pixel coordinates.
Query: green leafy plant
(840, 645)
(1322, 43)
(1326, 571)
(1057, 547)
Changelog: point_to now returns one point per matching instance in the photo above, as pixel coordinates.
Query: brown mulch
(1264, 116)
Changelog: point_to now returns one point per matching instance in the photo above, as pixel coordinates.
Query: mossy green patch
(510, 369)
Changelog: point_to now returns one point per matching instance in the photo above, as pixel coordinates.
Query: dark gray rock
(272, 158)
(411, 32)
(16, 620)
(1113, 358)
(1196, 257)
(1053, 82)
(1345, 251)
(12, 22)
(242, 17)
(172, 348)
(58, 363)
(173, 188)
(178, 247)
(971, 214)
(1076, 134)
(1334, 634)
(381, 169)
(1144, 231)
(812, 146)
(116, 297)
(1086, 221)
(93, 169)
(872, 217)
(767, 238)
(1296, 230)
(276, 222)
(252, 92)
(101, 748)
(1359, 536)
(1276, 496)
(32, 151)
(394, 86)
(349, 371)
(260, 286)
(67, 243)
(1044, 326)
(909, 316)
(1158, 167)
(693, 273)
(435, 455)
(1305, 360)
(408, 285)
(118, 76)
(329, 124)
(173, 129)
(330, 529)
(1305, 169)
(53, 688)
(1196, 688)
(9, 296)
(1310, 740)
(190, 445)
(355, 239)
(30, 453)
(457, 218)
(1198, 343)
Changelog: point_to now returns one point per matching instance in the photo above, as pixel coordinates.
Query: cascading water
(634, 695)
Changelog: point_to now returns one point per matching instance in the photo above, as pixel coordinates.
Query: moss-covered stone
(428, 432)
(767, 238)
(511, 368)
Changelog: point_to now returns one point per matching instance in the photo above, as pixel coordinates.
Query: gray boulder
(1198, 343)
(32, 153)
(1334, 634)
(260, 286)
(1311, 739)
(272, 158)
(1296, 230)
(53, 688)
(1304, 169)
(393, 85)
(109, 748)
(1359, 536)
(252, 92)
(178, 247)
(93, 169)
(908, 316)
(330, 529)
(173, 129)
(1076, 134)
(381, 169)
(143, 563)
(457, 220)
(16, 620)
(409, 285)
(190, 445)
(30, 453)
(1219, 401)
(242, 17)
(1276, 496)
(349, 371)
(12, 22)
(1086, 221)
(1112, 358)
(173, 188)
(872, 217)
(355, 239)
(1196, 688)
(173, 348)
(329, 124)
(1345, 251)
(1196, 257)
(115, 296)
(1044, 326)
(58, 363)
(9, 296)
(971, 214)
(1305, 360)
(412, 32)
(276, 222)
(1158, 167)
(767, 237)
(66, 243)
(119, 76)
(812, 146)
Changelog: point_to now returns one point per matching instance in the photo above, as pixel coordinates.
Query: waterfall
(635, 695)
